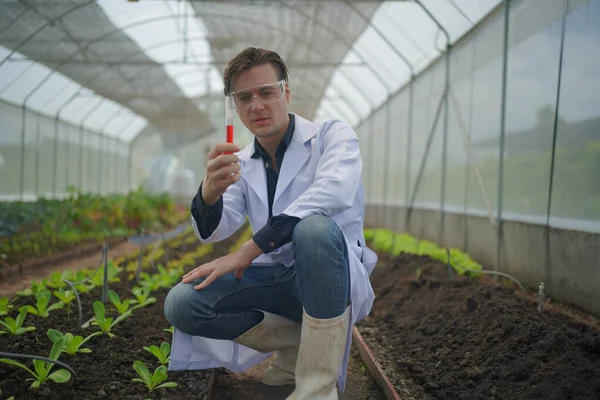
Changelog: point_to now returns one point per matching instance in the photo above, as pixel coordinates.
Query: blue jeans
(318, 282)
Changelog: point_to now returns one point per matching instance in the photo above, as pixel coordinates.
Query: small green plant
(153, 381)
(106, 324)
(36, 287)
(72, 344)
(161, 353)
(4, 306)
(41, 308)
(142, 297)
(120, 306)
(15, 326)
(170, 329)
(55, 281)
(113, 275)
(65, 296)
(42, 368)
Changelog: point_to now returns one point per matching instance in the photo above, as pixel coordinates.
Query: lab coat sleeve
(337, 176)
(232, 217)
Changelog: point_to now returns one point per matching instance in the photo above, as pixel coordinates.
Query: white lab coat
(320, 174)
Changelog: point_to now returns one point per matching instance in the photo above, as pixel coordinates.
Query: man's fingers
(209, 279)
(239, 274)
(197, 273)
(220, 161)
(225, 172)
(223, 148)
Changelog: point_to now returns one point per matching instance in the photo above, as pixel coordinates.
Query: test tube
(229, 118)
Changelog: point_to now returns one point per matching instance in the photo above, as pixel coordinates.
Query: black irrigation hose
(30, 357)
(72, 284)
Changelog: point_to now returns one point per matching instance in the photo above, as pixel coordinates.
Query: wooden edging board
(374, 368)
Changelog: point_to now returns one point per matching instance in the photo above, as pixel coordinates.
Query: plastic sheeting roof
(77, 39)
(158, 60)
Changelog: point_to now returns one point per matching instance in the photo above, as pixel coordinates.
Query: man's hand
(222, 170)
(238, 262)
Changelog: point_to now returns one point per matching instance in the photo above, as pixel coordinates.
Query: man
(297, 287)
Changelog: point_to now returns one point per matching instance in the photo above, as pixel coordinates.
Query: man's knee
(184, 309)
(317, 230)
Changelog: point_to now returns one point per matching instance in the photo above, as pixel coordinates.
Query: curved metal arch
(301, 40)
(48, 22)
(275, 28)
(147, 21)
(13, 21)
(341, 39)
(382, 36)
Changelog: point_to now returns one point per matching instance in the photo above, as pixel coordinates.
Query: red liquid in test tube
(229, 120)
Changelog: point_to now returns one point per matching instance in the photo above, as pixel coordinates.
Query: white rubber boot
(280, 334)
(322, 348)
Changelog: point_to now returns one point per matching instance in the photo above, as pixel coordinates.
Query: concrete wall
(568, 262)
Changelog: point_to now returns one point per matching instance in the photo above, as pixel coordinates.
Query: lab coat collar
(295, 157)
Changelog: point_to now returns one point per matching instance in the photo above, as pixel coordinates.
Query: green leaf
(17, 364)
(57, 349)
(60, 376)
(167, 385)
(54, 335)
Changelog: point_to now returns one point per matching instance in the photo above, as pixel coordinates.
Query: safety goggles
(267, 94)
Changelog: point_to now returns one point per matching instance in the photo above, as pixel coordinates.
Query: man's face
(263, 120)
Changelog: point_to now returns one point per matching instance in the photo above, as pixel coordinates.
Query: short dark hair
(248, 58)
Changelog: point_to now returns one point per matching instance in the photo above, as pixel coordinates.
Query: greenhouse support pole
(37, 159)
(129, 166)
(445, 134)
(426, 155)
(388, 136)
(81, 123)
(102, 135)
(122, 129)
(411, 95)
(499, 226)
(23, 129)
(548, 264)
(56, 122)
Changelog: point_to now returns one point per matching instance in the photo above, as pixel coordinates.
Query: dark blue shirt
(278, 229)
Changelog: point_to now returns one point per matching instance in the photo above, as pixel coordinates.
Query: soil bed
(106, 372)
(442, 338)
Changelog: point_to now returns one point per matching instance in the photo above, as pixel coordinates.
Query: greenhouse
(458, 141)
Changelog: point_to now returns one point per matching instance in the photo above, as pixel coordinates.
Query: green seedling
(162, 352)
(65, 296)
(106, 324)
(4, 306)
(113, 275)
(42, 368)
(55, 281)
(41, 308)
(72, 344)
(36, 287)
(15, 326)
(120, 306)
(149, 282)
(170, 329)
(142, 295)
(153, 381)
(142, 298)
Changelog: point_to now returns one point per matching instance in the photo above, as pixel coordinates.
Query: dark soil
(106, 372)
(442, 338)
